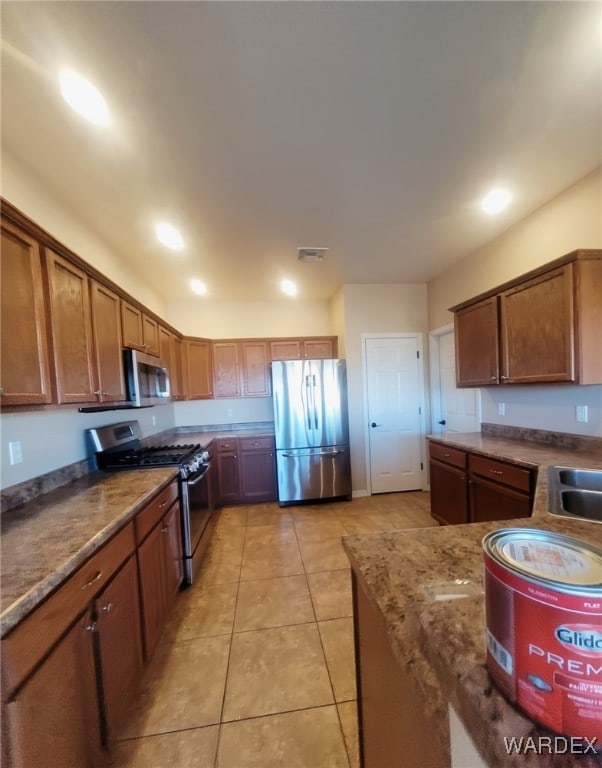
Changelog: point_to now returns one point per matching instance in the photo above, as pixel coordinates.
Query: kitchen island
(419, 614)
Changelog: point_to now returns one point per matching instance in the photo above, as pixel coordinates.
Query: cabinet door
(131, 326)
(229, 476)
(258, 475)
(537, 321)
(255, 369)
(449, 494)
(106, 327)
(489, 501)
(477, 348)
(24, 355)
(71, 331)
(318, 349)
(174, 566)
(198, 363)
(176, 381)
(120, 645)
(165, 345)
(285, 349)
(54, 721)
(226, 369)
(151, 570)
(150, 335)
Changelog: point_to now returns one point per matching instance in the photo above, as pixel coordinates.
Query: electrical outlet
(15, 452)
(501, 409)
(581, 412)
(229, 413)
(154, 421)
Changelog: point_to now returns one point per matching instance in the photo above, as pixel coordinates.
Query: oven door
(197, 511)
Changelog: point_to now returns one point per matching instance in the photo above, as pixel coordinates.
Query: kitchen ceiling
(372, 129)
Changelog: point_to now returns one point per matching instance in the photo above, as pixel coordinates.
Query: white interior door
(459, 407)
(394, 399)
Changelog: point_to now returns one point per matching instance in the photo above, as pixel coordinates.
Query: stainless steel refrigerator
(311, 429)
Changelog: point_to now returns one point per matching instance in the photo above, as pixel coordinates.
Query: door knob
(374, 424)
(442, 422)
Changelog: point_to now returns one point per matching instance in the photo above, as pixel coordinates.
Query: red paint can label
(544, 627)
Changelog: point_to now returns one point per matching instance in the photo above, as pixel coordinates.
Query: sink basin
(583, 503)
(584, 479)
(575, 493)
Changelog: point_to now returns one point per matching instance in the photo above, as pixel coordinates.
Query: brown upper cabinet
(25, 368)
(477, 347)
(71, 324)
(176, 370)
(241, 368)
(197, 369)
(318, 347)
(541, 327)
(106, 329)
(139, 330)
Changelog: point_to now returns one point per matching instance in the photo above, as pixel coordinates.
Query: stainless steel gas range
(118, 447)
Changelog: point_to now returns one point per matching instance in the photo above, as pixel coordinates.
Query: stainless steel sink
(575, 493)
(584, 479)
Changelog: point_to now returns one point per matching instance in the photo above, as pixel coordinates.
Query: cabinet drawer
(151, 514)
(226, 444)
(447, 455)
(256, 443)
(500, 472)
(32, 639)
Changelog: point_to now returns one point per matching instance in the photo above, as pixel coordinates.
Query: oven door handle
(198, 479)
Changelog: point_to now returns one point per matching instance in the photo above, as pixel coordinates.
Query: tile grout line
(221, 714)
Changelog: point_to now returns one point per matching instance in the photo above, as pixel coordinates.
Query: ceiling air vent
(311, 254)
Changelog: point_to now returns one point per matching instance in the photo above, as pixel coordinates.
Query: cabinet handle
(107, 608)
(503, 377)
(1, 391)
(91, 627)
(163, 504)
(94, 578)
(494, 378)
(446, 455)
(496, 471)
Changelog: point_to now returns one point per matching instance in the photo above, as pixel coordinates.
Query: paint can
(543, 598)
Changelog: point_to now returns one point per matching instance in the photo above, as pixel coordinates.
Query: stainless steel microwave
(146, 377)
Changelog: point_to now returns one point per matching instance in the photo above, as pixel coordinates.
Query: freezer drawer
(313, 473)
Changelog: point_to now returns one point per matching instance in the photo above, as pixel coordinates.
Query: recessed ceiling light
(288, 287)
(84, 97)
(198, 286)
(169, 236)
(495, 201)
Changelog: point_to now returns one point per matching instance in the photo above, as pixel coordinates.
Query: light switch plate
(501, 409)
(15, 452)
(581, 412)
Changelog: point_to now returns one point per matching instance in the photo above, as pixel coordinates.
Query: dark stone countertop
(44, 541)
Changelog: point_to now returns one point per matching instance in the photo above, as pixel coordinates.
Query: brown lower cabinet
(70, 667)
(394, 727)
(470, 488)
(161, 571)
(246, 468)
(53, 720)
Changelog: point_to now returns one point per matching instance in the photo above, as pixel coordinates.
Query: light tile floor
(256, 666)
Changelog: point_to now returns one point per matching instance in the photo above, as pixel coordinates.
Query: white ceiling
(371, 128)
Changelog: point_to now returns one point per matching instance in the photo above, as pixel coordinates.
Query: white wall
(249, 319)
(374, 309)
(570, 221)
(224, 411)
(55, 438)
(21, 188)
